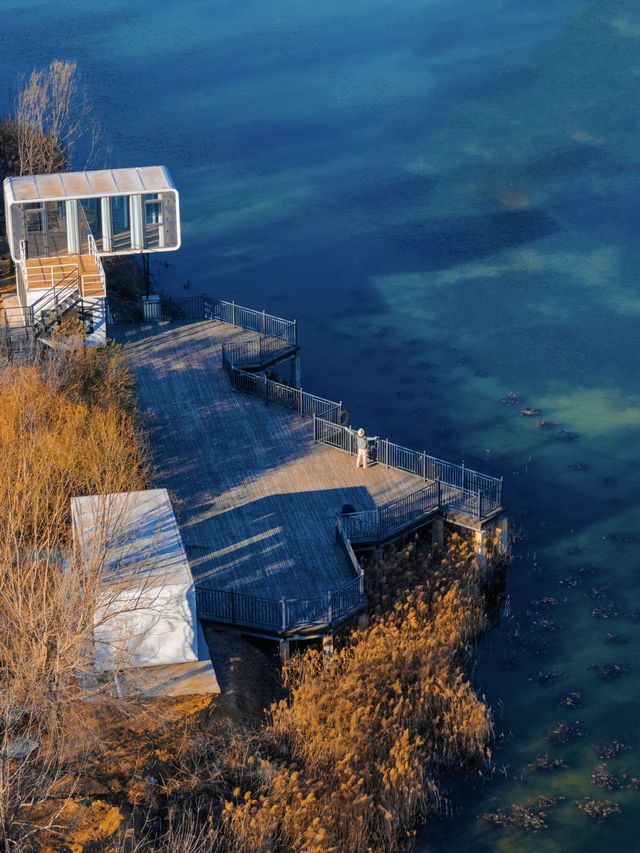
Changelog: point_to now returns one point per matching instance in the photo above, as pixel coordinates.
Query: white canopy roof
(139, 533)
(95, 184)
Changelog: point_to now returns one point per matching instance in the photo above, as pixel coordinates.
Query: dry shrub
(64, 432)
(359, 746)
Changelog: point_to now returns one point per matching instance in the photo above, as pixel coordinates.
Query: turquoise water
(446, 198)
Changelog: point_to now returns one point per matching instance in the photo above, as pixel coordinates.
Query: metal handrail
(258, 385)
(267, 325)
(53, 299)
(86, 233)
(378, 524)
(285, 615)
(463, 490)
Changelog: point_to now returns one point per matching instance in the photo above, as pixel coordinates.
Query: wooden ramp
(255, 497)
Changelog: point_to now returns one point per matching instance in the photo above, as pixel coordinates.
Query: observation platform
(256, 498)
(258, 484)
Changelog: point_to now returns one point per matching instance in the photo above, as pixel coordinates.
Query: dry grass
(359, 747)
(64, 430)
(352, 761)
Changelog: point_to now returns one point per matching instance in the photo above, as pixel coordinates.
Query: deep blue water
(446, 198)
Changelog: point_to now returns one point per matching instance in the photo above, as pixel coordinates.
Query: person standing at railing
(363, 445)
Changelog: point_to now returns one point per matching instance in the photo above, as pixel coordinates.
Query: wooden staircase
(46, 273)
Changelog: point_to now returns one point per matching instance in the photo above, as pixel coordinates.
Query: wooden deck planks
(255, 497)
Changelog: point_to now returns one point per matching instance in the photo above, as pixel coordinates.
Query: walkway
(255, 497)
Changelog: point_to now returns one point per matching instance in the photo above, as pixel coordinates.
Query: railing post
(439, 493)
(463, 474)
(295, 332)
(264, 322)
(283, 605)
(299, 392)
(233, 608)
(480, 505)
(315, 428)
(233, 312)
(265, 386)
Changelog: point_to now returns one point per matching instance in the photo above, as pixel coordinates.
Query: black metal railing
(123, 311)
(278, 337)
(380, 523)
(285, 616)
(258, 385)
(462, 491)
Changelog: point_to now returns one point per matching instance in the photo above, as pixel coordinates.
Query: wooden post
(233, 313)
(363, 622)
(437, 533)
(264, 322)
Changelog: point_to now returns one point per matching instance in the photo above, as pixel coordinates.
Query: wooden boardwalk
(255, 497)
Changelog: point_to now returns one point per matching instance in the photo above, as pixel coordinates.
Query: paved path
(255, 497)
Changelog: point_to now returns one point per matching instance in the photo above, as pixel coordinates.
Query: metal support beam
(73, 226)
(107, 224)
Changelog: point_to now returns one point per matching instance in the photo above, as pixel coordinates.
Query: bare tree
(53, 117)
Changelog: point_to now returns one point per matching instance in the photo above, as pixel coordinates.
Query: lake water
(445, 195)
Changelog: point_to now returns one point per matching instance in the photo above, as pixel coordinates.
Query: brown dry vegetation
(353, 759)
(66, 428)
(359, 747)
(350, 761)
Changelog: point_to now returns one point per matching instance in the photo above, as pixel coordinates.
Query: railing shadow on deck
(263, 582)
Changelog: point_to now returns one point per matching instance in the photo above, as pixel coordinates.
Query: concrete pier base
(285, 651)
(295, 374)
(363, 622)
(437, 533)
(502, 533)
(327, 647)
(480, 545)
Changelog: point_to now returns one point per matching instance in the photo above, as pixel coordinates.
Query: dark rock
(511, 399)
(599, 810)
(573, 701)
(609, 671)
(563, 732)
(610, 750)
